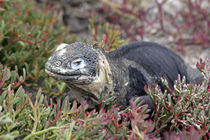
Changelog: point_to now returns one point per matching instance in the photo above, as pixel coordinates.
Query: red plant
(193, 29)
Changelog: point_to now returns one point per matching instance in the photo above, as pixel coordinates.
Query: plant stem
(44, 131)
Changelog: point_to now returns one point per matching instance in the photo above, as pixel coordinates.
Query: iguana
(90, 72)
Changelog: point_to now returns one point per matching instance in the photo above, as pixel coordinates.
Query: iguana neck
(102, 85)
(120, 78)
(111, 81)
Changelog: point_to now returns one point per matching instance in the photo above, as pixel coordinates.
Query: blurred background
(183, 25)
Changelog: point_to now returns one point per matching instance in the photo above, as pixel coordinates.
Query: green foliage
(19, 115)
(24, 117)
(106, 36)
(28, 37)
(186, 107)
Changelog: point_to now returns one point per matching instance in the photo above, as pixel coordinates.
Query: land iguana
(90, 72)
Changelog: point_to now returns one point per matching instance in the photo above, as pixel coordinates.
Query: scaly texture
(91, 73)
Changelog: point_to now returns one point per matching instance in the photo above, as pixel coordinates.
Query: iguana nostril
(64, 57)
(57, 63)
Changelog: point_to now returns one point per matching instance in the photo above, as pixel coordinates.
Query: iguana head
(84, 68)
(73, 63)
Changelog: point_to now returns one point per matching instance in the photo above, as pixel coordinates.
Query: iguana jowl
(122, 74)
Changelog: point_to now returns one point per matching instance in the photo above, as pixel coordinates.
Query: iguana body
(122, 74)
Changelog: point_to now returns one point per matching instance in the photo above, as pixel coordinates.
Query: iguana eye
(78, 63)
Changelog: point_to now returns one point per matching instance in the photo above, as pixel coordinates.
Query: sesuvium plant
(28, 35)
(27, 116)
(23, 115)
(187, 108)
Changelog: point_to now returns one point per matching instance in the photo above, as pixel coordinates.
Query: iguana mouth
(62, 76)
(70, 76)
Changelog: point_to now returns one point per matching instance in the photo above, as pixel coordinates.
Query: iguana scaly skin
(122, 74)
